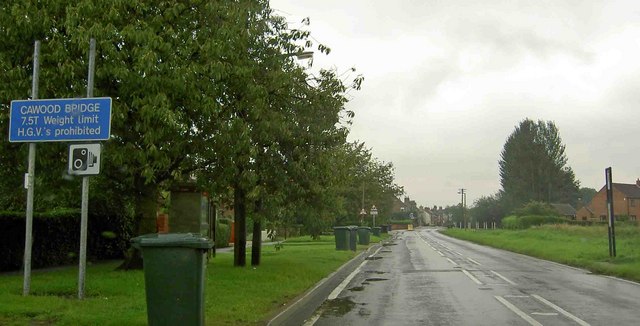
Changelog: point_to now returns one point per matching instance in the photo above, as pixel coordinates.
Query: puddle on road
(375, 279)
(385, 251)
(338, 307)
(373, 258)
(364, 312)
(357, 288)
(375, 272)
(389, 244)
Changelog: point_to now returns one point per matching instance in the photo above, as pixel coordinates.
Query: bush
(525, 222)
(56, 238)
(223, 235)
(536, 208)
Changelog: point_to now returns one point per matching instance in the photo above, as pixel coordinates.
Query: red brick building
(626, 202)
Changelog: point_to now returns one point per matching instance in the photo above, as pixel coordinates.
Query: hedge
(56, 238)
(524, 222)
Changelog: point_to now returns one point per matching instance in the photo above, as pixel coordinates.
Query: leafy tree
(533, 166)
(376, 179)
(536, 208)
(163, 63)
(487, 209)
(585, 195)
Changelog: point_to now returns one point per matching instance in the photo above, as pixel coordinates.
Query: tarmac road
(425, 278)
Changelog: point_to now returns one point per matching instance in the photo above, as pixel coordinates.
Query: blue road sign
(73, 119)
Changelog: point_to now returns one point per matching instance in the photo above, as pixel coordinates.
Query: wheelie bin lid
(182, 240)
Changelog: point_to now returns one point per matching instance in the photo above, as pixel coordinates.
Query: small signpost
(374, 212)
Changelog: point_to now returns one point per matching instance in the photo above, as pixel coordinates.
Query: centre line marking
(560, 310)
(473, 278)
(473, 261)
(518, 312)
(545, 313)
(504, 278)
(451, 261)
(439, 253)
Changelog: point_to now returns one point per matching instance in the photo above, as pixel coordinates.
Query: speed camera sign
(84, 159)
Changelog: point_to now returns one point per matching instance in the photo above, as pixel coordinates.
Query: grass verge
(234, 295)
(581, 246)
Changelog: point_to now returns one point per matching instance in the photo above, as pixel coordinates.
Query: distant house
(565, 210)
(626, 202)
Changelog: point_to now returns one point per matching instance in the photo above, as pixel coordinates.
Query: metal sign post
(374, 212)
(84, 212)
(611, 229)
(31, 171)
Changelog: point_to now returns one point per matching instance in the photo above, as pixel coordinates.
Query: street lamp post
(374, 212)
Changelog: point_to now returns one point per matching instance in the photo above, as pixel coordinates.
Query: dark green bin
(363, 235)
(376, 231)
(353, 240)
(174, 277)
(342, 235)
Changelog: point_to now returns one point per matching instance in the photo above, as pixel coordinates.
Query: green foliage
(536, 208)
(533, 166)
(527, 221)
(223, 235)
(586, 194)
(205, 89)
(56, 238)
(487, 209)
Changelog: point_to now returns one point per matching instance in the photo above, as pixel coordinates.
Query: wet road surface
(425, 278)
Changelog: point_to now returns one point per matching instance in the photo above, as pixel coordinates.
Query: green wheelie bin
(174, 276)
(376, 231)
(342, 237)
(363, 235)
(353, 240)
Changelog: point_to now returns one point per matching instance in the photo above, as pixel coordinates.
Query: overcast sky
(447, 81)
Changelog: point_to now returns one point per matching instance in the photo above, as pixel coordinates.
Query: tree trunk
(240, 216)
(256, 244)
(146, 207)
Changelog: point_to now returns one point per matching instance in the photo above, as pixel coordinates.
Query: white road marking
(545, 313)
(311, 321)
(504, 278)
(473, 261)
(473, 278)
(517, 311)
(334, 294)
(457, 253)
(516, 296)
(441, 254)
(452, 262)
(560, 310)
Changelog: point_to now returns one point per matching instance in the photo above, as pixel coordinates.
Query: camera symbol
(82, 158)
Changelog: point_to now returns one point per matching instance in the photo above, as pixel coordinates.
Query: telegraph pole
(462, 205)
